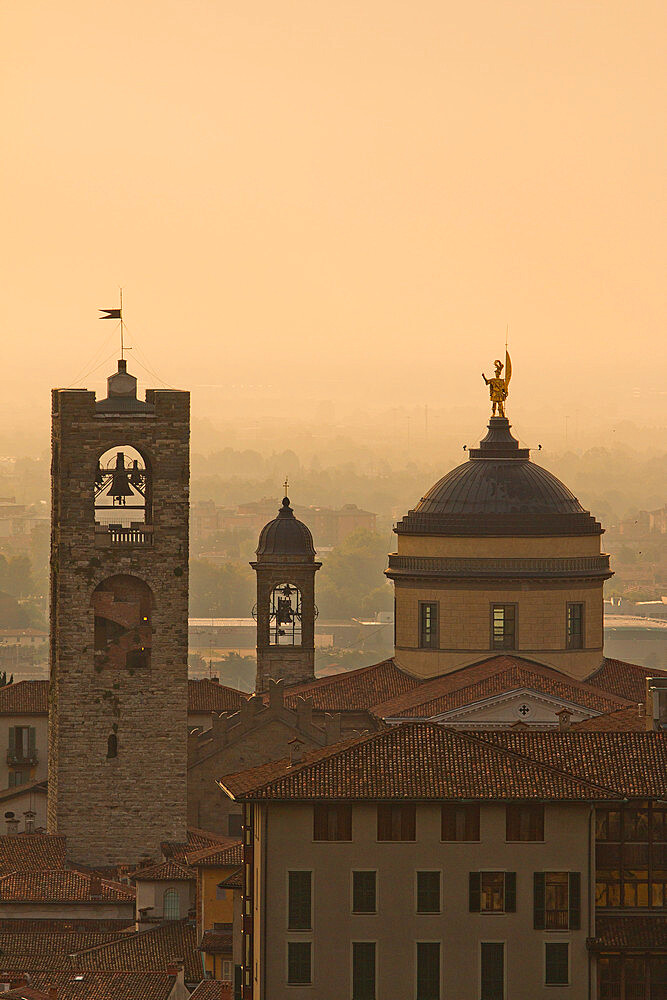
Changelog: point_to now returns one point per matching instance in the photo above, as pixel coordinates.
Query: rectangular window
(556, 964)
(22, 741)
(16, 778)
(332, 821)
(492, 892)
(396, 822)
(492, 963)
(429, 637)
(460, 822)
(364, 892)
(299, 963)
(631, 856)
(557, 901)
(363, 970)
(524, 822)
(299, 901)
(428, 970)
(575, 626)
(428, 892)
(503, 626)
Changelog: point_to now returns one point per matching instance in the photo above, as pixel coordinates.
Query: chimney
(641, 709)
(30, 821)
(296, 750)
(95, 886)
(332, 728)
(304, 712)
(564, 719)
(12, 824)
(53, 993)
(276, 693)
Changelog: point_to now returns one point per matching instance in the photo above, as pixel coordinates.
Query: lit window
(428, 626)
(503, 626)
(575, 626)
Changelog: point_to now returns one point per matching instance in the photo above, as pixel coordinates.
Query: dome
(286, 536)
(499, 491)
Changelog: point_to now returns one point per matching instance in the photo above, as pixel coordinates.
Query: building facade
(119, 593)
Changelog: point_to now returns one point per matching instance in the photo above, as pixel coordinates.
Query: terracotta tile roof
(25, 993)
(212, 857)
(639, 932)
(627, 680)
(216, 942)
(173, 850)
(233, 881)
(31, 852)
(635, 764)
(65, 925)
(354, 689)
(147, 951)
(25, 698)
(496, 675)
(417, 761)
(623, 720)
(212, 989)
(90, 985)
(209, 696)
(25, 949)
(168, 871)
(60, 886)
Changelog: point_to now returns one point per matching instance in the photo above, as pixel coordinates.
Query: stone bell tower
(286, 610)
(119, 620)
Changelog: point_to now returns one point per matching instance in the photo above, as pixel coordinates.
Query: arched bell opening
(123, 634)
(123, 488)
(285, 615)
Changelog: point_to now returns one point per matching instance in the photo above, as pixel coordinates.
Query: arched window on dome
(171, 905)
(285, 615)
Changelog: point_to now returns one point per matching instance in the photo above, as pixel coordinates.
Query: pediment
(521, 705)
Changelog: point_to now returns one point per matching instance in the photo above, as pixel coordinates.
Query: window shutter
(539, 901)
(384, 822)
(472, 822)
(32, 739)
(12, 739)
(320, 823)
(408, 822)
(344, 816)
(512, 822)
(448, 822)
(575, 901)
(474, 891)
(510, 892)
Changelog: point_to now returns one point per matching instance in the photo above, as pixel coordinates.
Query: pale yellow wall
(489, 547)
(396, 927)
(465, 629)
(213, 910)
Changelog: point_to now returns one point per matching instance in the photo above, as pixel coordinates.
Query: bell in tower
(285, 609)
(120, 485)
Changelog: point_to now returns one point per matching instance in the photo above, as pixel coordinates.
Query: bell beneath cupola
(120, 486)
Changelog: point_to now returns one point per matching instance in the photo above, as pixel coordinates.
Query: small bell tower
(285, 608)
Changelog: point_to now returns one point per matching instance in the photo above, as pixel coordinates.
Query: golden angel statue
(499, 386)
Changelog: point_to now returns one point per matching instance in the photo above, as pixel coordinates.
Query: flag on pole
(110, 314)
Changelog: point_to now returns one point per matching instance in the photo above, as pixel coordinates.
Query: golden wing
(508, 369)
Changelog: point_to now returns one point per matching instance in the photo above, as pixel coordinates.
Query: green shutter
(12, 739)
(510, 892)
(575, 901)
(474, 891)
(32, 739)
(539, 901)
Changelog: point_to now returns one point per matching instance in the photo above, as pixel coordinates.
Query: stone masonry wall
(115, 810)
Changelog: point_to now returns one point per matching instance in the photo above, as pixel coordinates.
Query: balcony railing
(118, 536)
(21, 759)
(557, 920)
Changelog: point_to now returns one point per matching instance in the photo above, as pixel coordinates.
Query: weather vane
(499, 386)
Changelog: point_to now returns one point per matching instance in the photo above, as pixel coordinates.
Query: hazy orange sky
(358, 193)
